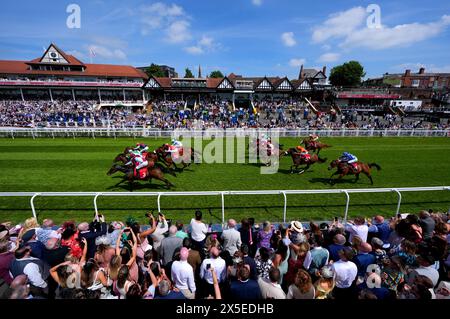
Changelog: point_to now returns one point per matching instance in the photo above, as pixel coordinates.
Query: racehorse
(130, 177)
(151, 158)
(298, 160)
(346, 169)
(314, 146)
(166, 157)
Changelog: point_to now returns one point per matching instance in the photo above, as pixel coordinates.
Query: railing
(222, 194)
(139, 132)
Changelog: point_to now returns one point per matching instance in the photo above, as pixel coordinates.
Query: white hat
(297, 226)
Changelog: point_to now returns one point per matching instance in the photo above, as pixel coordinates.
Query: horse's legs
(370, 177)
(123, 180)
(331, 181)
(292, 171)
(318, 151)
(305, 169)
(357, 178)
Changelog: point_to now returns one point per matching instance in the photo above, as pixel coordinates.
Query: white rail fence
(139, 132)
(222, 194)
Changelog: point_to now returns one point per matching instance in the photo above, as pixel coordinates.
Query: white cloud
(296, 62)
(178, 31)
(204, 45)
(107, 53)
(288, 39)
(339, 24)
(351, 26)
(195, 50)
(79, 55)
(168, 17)
(326, 47)
(257, 2)
(329, 57)
(398, 36)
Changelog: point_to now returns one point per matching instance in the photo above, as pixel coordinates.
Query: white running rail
(222, 194)
(139, 132)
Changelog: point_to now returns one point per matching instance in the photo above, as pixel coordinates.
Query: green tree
(154, 70)
(216, 74)
(347, 74)
(188, 74)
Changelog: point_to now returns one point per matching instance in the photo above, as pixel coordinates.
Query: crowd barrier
(222, 194)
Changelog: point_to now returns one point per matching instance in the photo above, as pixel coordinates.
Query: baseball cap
(28, 235)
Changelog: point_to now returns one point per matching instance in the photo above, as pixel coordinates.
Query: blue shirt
(362, 261)
(334, 251)
(171, 295)
(245, 290)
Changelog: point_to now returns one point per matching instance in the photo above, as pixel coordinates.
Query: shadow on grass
(334, 181)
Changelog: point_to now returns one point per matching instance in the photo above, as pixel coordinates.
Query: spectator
(6, 259)
(270, 287)
(216, 262)
(165, 291)
(194, 258)
(181, 233)
(245, 288)
(264, 235)
(91, 232)
(170, 244)
(183, 275)
(198, 231)
(325, 284)
(158, 235)
(427, 224)
(247, 260)
(35, 269)
(302, 287)
(346, 272)
(380, 228)
(231, 238)
(46, 232)
(37, 248)
(263, 263)
(364, 258)
(357, 228)
(317, 257)
(338, 243)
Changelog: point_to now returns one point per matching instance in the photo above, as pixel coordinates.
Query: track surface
(80, 165)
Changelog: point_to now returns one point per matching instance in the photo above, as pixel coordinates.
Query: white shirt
(346, 272)
(219, 266)
(198, 230)
(231, 240)
(158, 234)
(270, 290)
(183, 275)
(357, 230)
(34, 274)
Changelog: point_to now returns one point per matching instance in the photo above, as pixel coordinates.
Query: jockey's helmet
(346, 154)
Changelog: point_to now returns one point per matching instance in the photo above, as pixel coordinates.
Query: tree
(154, 70)
(347, 74)
(216, 74)
(188, 74)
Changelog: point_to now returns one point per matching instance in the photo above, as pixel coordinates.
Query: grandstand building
(57, 75)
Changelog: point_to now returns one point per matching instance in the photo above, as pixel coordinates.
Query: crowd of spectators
(404, 257)
(217, 114)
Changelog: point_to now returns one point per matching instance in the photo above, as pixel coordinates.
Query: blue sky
(248, 37)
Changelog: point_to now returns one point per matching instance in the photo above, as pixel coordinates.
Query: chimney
(407, 72)
(300, 75)
(199, 72)
(422, 70)
(324, 70)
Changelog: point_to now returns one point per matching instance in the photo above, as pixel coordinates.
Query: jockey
(141, 148)
(176, 143)
(349, 159)
(303, 152)
(313, 139)
(137, 160)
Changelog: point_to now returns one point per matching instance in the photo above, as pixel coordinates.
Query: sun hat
(327, 272)
(297, 226)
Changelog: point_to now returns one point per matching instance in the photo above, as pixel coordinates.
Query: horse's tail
(326, 146)
(374, 165)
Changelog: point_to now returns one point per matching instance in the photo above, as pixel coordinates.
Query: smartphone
(208, 266)
(336, 219)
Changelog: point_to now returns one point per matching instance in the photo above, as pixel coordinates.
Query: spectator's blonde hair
(303, 281)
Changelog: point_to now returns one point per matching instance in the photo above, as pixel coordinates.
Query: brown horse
(298, 160)
(129, 176)
(151, 158)
(166, 157)
(346, 169)
(314, 146)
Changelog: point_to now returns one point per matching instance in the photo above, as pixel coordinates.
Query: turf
(39, 165)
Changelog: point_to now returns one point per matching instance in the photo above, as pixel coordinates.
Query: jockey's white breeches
(141, 165)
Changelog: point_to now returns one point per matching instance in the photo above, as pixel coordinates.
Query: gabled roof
(278, 82)
(164, 82)
(225, 81)
(213, 82)
(71, 60)
(261, 80)
(301, 85)
(310, 73)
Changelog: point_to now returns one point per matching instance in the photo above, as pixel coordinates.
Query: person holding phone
(220, 268)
